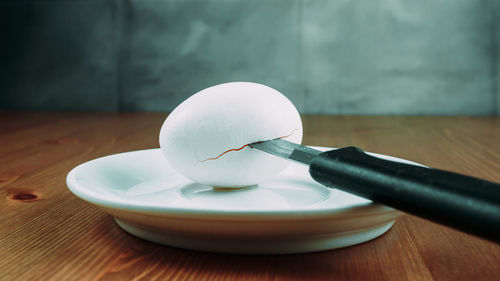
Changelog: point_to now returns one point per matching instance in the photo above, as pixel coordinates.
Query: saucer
(289, 213)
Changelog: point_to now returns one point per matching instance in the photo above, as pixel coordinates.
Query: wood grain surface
(46, 233)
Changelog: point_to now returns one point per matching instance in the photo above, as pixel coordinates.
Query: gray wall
(327, 56)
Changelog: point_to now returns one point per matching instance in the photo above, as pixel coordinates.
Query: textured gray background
(327, 56)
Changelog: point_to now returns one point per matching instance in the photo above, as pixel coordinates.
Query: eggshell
(205, 137)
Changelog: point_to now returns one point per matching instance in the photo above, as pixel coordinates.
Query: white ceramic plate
(290, 213)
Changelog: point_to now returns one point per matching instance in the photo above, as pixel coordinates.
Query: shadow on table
(145, 260)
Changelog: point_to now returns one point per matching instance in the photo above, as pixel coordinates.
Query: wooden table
(46, 233)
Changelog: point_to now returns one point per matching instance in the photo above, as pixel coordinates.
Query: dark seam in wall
(123, 43)
(116, 9)
(494, 57)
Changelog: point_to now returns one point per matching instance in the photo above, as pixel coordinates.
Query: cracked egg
(206, 137)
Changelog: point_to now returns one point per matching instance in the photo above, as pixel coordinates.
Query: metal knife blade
(287, 150)
(465, 203)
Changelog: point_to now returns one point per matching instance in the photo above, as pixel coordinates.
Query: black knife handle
(465, 203)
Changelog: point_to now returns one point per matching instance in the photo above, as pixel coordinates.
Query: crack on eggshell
(242, 147)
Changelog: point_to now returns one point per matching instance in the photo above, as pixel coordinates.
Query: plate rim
(297, 213)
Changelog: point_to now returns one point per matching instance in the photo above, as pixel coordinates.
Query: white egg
(206, 137)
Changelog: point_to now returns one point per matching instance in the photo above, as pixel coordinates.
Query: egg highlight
(206, 138)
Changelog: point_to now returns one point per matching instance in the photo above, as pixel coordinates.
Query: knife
(465, 203)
